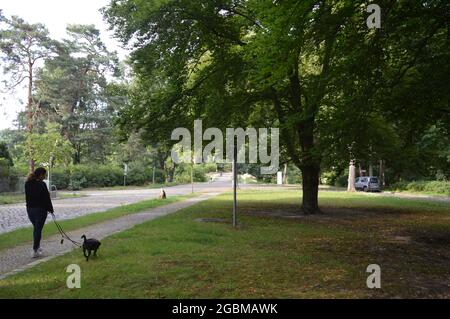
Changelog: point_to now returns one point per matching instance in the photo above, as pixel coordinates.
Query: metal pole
(192, 177)
(125, 172)
(234, 185)
(49, 173)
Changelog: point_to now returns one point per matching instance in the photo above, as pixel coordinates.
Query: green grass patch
(267, 256)
(24, 235)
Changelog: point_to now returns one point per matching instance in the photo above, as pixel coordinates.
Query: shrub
(183, 174)
(439, 187)
(9, 177)
(139, 174)
(82, 176)
(341, 181)
(160, 176)
(294, 175)
(60, 177)
(210, 167)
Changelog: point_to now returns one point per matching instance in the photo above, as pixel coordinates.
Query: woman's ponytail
(37, 173)
(31, 177)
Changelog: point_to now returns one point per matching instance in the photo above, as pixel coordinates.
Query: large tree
(22, 46)
(76, 89)
(313, 68)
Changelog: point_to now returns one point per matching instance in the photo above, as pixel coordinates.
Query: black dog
(89, 245)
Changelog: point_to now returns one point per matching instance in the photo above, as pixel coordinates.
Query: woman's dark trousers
(37, 217)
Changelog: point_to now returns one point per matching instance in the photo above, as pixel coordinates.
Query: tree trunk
(285, 174)
(310, 185)
(310, 168)
(30, 117)
(351, 177)
(381, 173)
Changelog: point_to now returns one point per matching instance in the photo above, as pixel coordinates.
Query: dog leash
(63, 233)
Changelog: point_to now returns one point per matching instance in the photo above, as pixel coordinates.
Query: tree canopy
(335, 88)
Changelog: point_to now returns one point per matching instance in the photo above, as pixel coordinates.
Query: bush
(341, 181)
(210, 167)
(60, 177)
(139, 174)
(9, 177)
(439, 187)
(294, 175)
(183, 174)
(160, 176)
(82, 176)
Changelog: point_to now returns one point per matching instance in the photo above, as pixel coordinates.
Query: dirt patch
(434, 239)
(327, 213)
(210, 220)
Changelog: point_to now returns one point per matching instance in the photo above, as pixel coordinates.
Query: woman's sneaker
(35, 254)
(40, 251)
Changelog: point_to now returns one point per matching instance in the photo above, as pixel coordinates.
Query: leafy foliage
(336, 89)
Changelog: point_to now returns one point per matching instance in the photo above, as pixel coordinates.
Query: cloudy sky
(55, 14)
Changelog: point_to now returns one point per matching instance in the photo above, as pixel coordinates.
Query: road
(14, 216)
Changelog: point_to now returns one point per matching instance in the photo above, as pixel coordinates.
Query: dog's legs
(89, 254)
(95, 252)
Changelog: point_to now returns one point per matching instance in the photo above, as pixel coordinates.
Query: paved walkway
(19, 258)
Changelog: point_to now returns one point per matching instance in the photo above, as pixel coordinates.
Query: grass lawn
(20, 198)
(23, 235)
(271, 254)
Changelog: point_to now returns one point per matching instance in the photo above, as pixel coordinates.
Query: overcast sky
(55, 14)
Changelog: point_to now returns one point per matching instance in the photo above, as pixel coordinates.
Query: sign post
(234, 185)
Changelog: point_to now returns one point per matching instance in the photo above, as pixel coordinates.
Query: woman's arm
(48, 200)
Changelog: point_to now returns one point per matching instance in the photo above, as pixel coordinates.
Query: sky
(55, 14)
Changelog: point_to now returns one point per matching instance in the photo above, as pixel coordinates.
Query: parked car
(367, 184)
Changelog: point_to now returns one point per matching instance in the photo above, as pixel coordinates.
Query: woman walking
(38, 205)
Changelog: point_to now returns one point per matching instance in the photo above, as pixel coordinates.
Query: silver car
(367, 184)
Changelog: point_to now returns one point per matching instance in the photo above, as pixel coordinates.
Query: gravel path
(19, 258)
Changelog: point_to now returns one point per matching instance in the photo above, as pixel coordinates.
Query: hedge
(438, 187)
(82, 176)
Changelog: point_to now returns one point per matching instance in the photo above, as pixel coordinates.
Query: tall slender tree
(22, 46)
(76, 85)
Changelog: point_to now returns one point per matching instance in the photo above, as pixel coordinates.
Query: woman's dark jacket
(37, 195)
